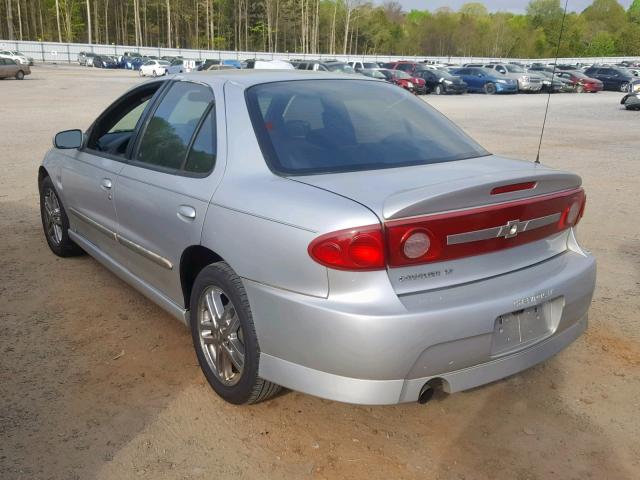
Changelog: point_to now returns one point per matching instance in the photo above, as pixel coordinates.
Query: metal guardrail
(54, 52)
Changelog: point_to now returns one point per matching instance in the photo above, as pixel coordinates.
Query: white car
(18, 57)
(154, 68)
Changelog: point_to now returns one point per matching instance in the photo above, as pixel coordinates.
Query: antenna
(553, 76)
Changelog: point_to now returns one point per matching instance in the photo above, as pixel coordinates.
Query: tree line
(329, 26)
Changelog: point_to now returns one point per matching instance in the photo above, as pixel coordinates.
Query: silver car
(324, 232)
(527, 81)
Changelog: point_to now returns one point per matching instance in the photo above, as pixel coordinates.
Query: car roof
(250, 77)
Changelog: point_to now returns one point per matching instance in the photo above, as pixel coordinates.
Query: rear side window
(168, 134)
(323, 126)
(202, 156)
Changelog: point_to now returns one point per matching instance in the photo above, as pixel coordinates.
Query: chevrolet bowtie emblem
(510, 230)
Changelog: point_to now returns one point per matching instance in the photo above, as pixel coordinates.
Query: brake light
(360, 248)
(515, 187)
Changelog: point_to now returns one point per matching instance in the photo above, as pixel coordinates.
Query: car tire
(224, 336)
(580, 89)
(55, 222)
(489, 88)
(438, 90)
(624, 87)
(154, 74)
(20, 75)
(140, 73)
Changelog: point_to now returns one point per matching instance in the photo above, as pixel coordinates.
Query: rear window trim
(269, 154)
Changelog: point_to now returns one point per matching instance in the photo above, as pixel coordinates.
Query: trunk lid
(409, 192)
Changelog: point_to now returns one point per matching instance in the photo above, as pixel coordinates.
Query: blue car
(483, 80)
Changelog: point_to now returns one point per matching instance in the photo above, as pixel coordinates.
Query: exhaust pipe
(427, 391)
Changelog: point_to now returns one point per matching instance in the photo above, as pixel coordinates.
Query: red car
(404, 80)
(410, 68)
(581, 82)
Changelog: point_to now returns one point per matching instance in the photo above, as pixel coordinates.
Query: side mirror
(68, 139)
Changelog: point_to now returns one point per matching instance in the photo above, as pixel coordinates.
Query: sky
(516, 6)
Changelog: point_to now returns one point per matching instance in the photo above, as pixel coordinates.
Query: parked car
(580, 81)
(104, 61)
(137, 62)
(325, 66)
(334, 236)
(375, 73)
(487, 81)
(128, 60)
(442, 82)
(631, 101)
(553, 83)
(154, 68)
(220, 67)
(176, 66)
(10, 68)
(527, 82)
(88, 59)
(399, 78)
(358, 65)
(406, 66)
(19, 58)
(267, 64)
(612, 78)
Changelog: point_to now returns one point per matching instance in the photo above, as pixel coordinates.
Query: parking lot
(98, 382)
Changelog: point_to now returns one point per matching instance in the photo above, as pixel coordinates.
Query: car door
(165, 189)
(603, 75)
(88, 175)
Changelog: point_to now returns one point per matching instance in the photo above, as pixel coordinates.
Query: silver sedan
(327, 233)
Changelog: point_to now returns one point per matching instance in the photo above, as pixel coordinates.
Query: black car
(612, 78)
(104, 61)
(441, 82)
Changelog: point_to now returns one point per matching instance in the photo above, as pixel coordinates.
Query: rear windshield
(323, 126)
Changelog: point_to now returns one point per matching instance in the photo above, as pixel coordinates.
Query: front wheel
(489, 88)
(154, 74)
(224, 336)
(20, 75)
(55, 222)
(580, 89)
(439, 90)
(624, 87)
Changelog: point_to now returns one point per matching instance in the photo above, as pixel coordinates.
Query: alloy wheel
(221, 335)
(624, 87)
(53, 217)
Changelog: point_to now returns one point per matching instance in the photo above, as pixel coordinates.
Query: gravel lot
(97, 382)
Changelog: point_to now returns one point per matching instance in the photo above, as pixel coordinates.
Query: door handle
(106, 184)
(186, 212)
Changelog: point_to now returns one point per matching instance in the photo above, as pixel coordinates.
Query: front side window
(114, 129)
(323, 126)
(169, 131)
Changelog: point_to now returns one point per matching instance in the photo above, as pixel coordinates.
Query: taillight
(360, 248)
(573, 212)
(451, 235)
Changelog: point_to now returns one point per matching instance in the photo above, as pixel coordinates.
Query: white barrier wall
(68, 52)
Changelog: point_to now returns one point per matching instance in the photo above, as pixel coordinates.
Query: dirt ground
(96, 382)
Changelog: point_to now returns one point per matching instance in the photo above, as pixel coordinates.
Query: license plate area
(521, 328)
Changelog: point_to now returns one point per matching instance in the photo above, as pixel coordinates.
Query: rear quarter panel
(261, 223)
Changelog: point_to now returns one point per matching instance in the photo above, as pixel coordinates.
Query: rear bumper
(384, 351)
